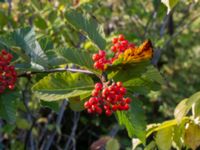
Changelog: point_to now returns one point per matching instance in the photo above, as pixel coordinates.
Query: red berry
(128, 100)
(121, 37)
(98, 86)
(8, 75)
(86, 104)
(119, 84)
(102, 53)
(114, 40)
(114, 107)
(124, 43)
(108, 112)
(123, 90)
(126, 107)
(95, 92)
(114, 49)
(95, 57)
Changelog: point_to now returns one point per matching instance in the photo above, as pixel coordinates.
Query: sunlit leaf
(185, 105)
(170, 4)
(57, 86)
(164, 138)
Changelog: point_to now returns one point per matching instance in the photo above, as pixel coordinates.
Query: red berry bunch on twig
(100, 60)
(108, 98)
(120, 44)
(8, 75)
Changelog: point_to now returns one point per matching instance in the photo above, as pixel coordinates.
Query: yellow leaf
(192, 135)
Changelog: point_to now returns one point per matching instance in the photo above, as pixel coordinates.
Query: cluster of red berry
(120, 44)
(109, 98)
(8, 75)
(100, 60)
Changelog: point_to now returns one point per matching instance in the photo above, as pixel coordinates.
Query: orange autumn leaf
(137, 54)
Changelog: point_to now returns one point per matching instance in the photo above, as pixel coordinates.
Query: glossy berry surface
(108, 99)
(8, 75)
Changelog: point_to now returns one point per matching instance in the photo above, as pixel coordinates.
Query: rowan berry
(8, 75)
(121, 37)
(109, 98)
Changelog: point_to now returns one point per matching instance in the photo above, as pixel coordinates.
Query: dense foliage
(113, 74)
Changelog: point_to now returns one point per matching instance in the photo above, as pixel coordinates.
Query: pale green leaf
(164, 138)
(57, 86)
(112, 144)
(185, 105)
(196, 109)
(164, 125)
(169, 4)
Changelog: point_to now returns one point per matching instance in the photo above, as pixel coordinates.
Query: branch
(29, 73)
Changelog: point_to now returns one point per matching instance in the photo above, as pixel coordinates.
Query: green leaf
(52, 105)
(54, 59)
(164, 125)
(138, 78)
(77, 57)
(170, 4)
(40, 23)
(46, 43)
(196, 109)
(178, 135)
(112, 144)
(151, 146)
(164, 138)
(185, 105)
(22, 123)
(88, 25)
(134, 120)
(25, 39)
(8, 106)
(77, 103)
(57, 86)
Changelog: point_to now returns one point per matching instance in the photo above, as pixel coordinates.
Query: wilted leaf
(192, 135)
